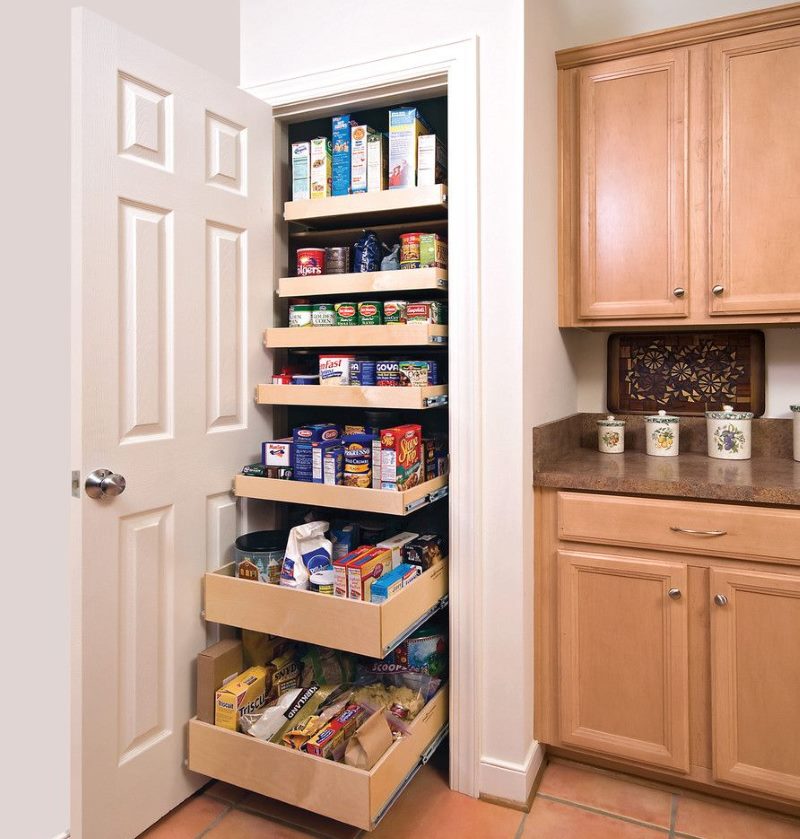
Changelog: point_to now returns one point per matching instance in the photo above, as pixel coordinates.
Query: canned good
(310, 261)
(427, 311)
(305, 380)
(323, 314)
(282, 378)
(362, 373)
(337, 260)
(409, 250)
(321, 581)
(387, 373)
(346, 314)
(369, 313)
(300, 314)
(394, 311)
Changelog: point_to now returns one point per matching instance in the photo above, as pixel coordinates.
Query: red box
(402, 457)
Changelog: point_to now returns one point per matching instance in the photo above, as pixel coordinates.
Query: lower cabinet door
(755, 687)
(623, 657)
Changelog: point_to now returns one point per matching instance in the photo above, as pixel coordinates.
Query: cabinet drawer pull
(720, 599)
(674, 593)
(699, 532)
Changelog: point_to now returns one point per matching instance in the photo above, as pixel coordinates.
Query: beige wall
(34, 346)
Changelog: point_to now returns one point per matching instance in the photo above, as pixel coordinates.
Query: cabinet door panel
(633, 191)
(755, 171)
(623, 657)
(756, 680)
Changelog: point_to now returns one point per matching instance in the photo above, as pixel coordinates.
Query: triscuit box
(377, 162)
(320, 167)
(301, 171)
(405, 127)
(431, 161)
(216, 665)
(395, 545)
(359, 137)
(240, 696)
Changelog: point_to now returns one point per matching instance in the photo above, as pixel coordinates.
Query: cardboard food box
(340, 131)
(431, 160)
(340, 567)
(333, 736)
(242, 695)
(365, 570)
(359, 138)
(301, 171)
(216, 665)
(377, 162)
(401, 457)
(424, 551)
(432, 251)
(319, 452)
(395, 545)
(320, 167)
(405, 127)
(396, 580)
(277, 452)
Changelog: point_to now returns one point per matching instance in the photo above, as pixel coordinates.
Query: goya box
(340, 567)
(320, 167)
(346, 314)
(365, 570)
(301, 171)
(405, 127)
(359, 137)
(277, 452)
(340, 127)
(240, 696)
(370, 313)
(401, 457)
(358, 460)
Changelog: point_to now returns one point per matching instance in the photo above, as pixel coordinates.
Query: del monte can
(346, 314)
(369, 313)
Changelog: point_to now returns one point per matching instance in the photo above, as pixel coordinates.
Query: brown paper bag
(366, 747)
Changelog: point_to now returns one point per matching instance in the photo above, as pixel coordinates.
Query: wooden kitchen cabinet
(679, 176)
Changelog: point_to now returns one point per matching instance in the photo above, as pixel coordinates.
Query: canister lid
(727, 413)
(611, 420)
(661, 416)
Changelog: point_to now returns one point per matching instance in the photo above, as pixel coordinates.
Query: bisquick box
(327, 462)
(320, 167)
(395, 545)
(340, 129)
(389, 584)
(401, 457)
(240, 696)
(365, 570)
(431, 161)
(301, 171)
(377, 162)
(405, 127)
(359, 137)
(340, 567)
(331, 738)
(277, 452)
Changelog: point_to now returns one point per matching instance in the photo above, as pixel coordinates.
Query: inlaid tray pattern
(686, 373)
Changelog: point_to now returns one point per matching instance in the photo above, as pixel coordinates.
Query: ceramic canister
(662, 434)
(729, 433)
(611, 435)
(796, 415)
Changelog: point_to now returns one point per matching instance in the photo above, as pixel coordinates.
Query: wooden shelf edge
(416, 279)
(387, 200)
(394, 334)
(340, 396)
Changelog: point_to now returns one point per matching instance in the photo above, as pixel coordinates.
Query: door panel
(623, 657)
(755, 171)
(756, 680)
(633, 191)
(172, 219)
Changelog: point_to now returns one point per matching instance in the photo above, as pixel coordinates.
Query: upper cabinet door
(632, 143)
(755, 172)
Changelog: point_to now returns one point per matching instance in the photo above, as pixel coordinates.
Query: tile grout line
(598, 812)
(216, 821)
(673, 815)
(276, 820)
(518, 834)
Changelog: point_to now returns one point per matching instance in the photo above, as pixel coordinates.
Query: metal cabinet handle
(698, 532)
(679, 292)
(674, 593)
(720, 599)
(717, 289)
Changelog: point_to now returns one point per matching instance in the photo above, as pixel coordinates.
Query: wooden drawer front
(352, 625)
(335, 790)
(751, 532)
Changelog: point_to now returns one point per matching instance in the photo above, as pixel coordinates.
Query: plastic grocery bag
(307, 551)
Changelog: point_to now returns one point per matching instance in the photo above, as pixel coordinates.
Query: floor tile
(710, 819)
(226, 792)
(187, 820)
(553, 820)
(429, 809)
(240, 825)
(613, 795)
(297, 817)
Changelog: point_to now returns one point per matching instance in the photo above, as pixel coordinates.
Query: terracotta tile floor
(573, 802)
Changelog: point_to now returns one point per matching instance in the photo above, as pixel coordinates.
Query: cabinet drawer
(335, 790)
(720, 529)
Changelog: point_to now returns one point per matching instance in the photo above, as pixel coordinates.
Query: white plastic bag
(307, 551)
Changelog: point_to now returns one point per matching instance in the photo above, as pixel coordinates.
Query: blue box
(302, 462)
(392, 582)
(316, 433)
(340, 130)
(319, 451)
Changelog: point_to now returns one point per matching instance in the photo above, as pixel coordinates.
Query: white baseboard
(511, 781)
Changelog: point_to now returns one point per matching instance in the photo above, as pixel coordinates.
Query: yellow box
(240, 696)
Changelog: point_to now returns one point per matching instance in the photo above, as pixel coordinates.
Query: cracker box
(431, 161)
(395, 545)
(301, 171)
(401, 457)
(365, 570)
(340, 567)
(359, 138)
(277, 452)
(405, 127)
(335, 369)
(396, 580)
(341, 127)
(377, 162)
(240, 696)
(320, 167)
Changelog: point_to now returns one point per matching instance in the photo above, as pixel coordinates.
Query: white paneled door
(172, 251)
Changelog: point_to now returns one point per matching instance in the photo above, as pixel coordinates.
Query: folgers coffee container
(370, 313)
(611, 435)
(409, 250)
(394, 311)
(310, 261)
(346, 314)
(337, 260)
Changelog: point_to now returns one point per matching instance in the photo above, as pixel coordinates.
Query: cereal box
(395, 545)
(341, 127)
(377, 162)
(405, 127)
(240, 696)
(431, 161)
(359, 138)
(301, 171)
(277, 452)
(320, 167)
(367, 568)
(401, 457)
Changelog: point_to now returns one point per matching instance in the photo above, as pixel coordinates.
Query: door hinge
(76, 484)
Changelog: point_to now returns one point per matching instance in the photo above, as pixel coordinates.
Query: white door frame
(454, 67)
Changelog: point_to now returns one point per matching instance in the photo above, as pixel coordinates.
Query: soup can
(323, 314)
(370, 313)
(310, 261)
(394, 311)
(409, 250)
(337, 260)
(662, 437)
(346, 314)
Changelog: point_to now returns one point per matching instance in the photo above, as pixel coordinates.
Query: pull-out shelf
(353, 396)
(387, 335)
(369, 282)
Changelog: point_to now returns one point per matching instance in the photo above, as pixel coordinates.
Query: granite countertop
(565, 456)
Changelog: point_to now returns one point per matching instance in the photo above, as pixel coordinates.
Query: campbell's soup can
(370, 313)
(310, 261)
(346, 314)
(337, 260)
(409, 250)
(394, 311)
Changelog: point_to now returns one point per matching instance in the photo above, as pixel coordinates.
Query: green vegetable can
(370, 313)
(394, 311)
(346, 314)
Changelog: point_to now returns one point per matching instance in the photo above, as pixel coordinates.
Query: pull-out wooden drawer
(686, 526)
(335, 790)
